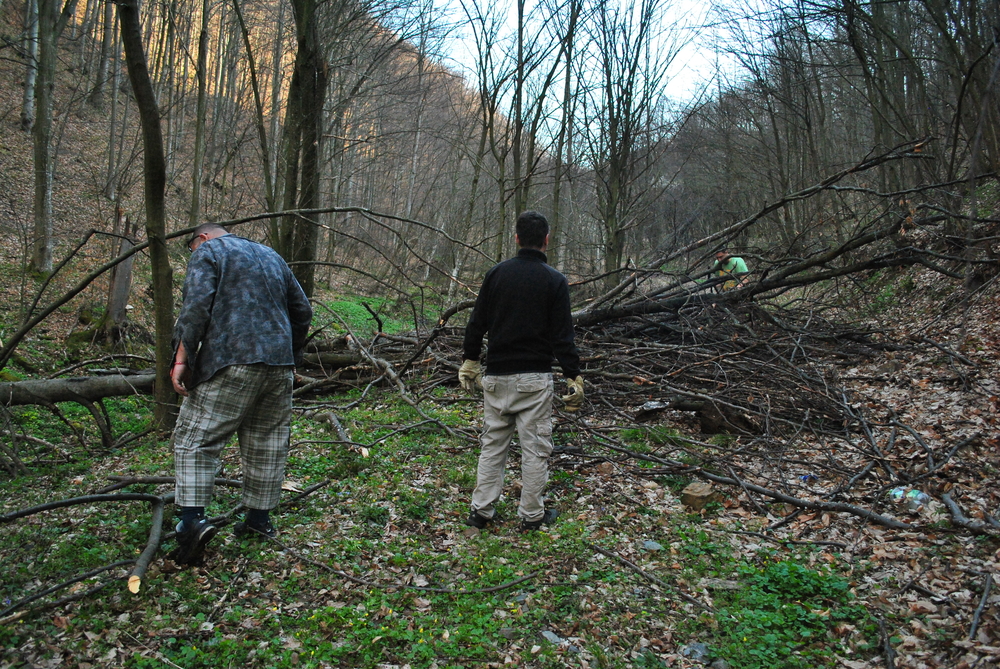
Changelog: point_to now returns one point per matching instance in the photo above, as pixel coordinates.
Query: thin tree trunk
(116, 315)
(31, 75)
(41, 260)
(259, 107)
(110, 187)
(154, 172)
(194, 214)
(97, 95)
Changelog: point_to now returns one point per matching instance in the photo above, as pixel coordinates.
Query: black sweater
(524, 306)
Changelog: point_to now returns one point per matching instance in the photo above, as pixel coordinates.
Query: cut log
(332, 360)
(87, 388)
(698, 494)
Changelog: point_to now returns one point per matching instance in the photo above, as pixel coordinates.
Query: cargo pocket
(543, 428)
(533, 385)
(489, 384)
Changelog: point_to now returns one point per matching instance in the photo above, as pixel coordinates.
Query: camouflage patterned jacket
(242, 305)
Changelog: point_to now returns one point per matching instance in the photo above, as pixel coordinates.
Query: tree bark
(154, 170)
(31, 75)
(41, 258)
(199, 128)
(87, 388)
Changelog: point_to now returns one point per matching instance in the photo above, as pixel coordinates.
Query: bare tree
(154, 170)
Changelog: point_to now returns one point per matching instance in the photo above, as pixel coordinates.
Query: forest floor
(375, 568)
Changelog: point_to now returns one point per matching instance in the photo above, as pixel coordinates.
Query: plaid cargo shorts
(252, 401)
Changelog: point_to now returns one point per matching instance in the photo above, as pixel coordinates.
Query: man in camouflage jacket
(242, 326)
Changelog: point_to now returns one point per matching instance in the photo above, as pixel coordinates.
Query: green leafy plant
(783, 617)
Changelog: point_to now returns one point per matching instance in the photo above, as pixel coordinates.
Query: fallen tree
(83, 389)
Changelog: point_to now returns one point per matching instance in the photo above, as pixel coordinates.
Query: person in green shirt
(731, 268)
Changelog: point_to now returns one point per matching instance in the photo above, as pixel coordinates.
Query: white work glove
(574, 400)
(470, 375)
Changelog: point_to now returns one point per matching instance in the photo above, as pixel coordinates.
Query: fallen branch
(65, 584)
(890, 654)
(86, 499)
(987, 586)
(959, 518)
(796, 542)
(88, 388)
(155, 532)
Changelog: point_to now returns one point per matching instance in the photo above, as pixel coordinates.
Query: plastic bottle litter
(915, 500)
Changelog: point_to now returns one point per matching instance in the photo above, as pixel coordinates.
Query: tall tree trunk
(564, 139)
(41, 259)
(303, 128)
(110, 186)
(154, 171)
(31, 74)
(194, 213)
(265, 153)
(97, 95)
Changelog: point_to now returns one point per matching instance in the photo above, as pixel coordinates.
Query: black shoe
(266, 530)
(191, 541)
(547, 518)
(477, 521)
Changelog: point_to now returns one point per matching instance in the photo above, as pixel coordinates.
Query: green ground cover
(374, 569)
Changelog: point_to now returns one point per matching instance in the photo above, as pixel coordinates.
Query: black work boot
(477, 521)
(192, 537)
(265, 529)
(547, 519)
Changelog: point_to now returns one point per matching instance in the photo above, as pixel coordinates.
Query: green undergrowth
(374, 567)
(349, 310)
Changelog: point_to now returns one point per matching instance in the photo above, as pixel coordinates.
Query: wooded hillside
(848, 153)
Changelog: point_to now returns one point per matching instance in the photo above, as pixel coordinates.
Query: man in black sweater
(524, 306)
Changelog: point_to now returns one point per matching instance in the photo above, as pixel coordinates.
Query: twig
(987, 586)
(756, 505)
(232, 583)
(956, 356)
(442, 322)
(890, 654)
(682, 468)
(65, 584)
(797, 542)
(305, 493)
(649, 577)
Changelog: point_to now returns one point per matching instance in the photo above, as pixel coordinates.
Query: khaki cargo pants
(522, 402)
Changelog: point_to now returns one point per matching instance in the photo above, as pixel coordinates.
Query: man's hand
(470, 375)
(179, 376)
(574, 400)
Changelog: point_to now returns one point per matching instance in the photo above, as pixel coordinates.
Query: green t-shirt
(732, 267)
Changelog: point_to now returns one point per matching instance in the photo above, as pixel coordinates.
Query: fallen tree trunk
(86, 388)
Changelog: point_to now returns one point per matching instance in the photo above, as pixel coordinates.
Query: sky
(693, 68)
